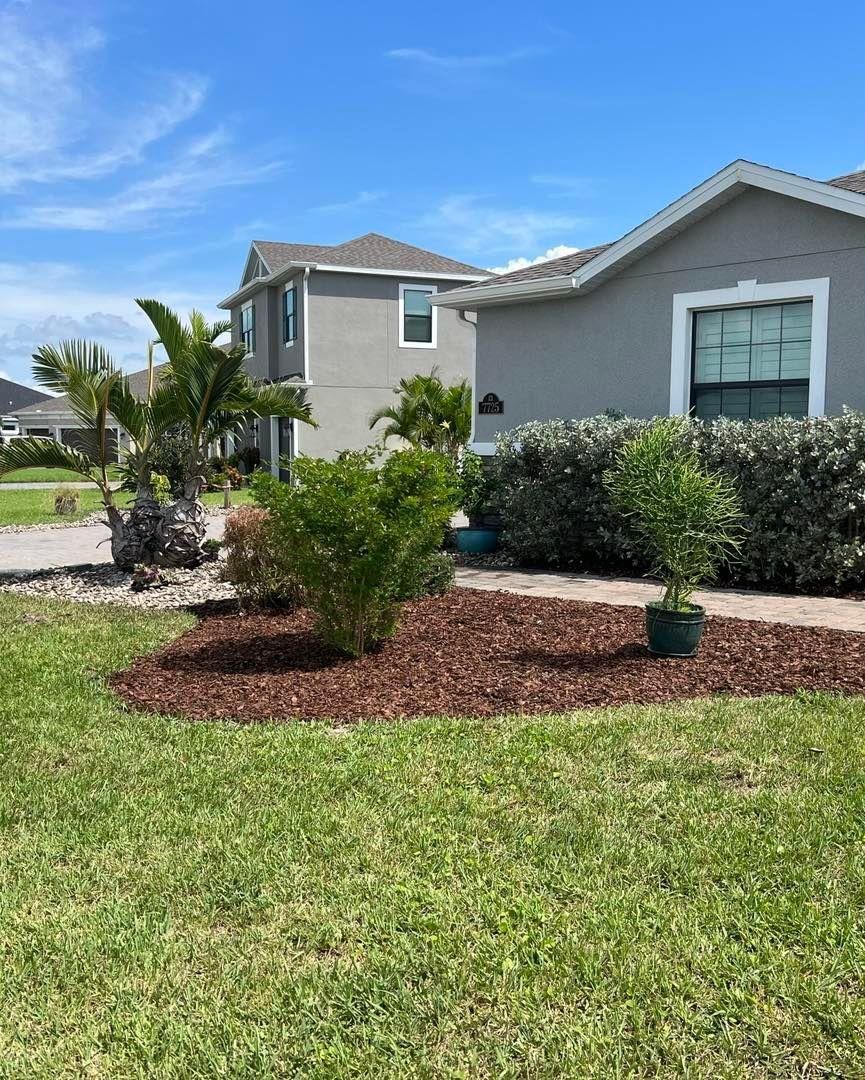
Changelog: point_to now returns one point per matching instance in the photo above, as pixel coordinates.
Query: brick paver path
(634, 592)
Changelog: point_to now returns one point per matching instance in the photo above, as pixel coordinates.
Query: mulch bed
(477, 653)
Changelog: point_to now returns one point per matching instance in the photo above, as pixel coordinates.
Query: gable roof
(369, 253)
(137, 384)
(14, 396)
(559, 277)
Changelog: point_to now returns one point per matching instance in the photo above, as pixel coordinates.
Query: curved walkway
(634, 592)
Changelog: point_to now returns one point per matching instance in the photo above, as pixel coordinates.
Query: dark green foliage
(358, 534)
(435, 576)
(477, 485)
(800, 483)
(167, 456)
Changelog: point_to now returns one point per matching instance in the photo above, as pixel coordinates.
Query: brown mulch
(477, 653)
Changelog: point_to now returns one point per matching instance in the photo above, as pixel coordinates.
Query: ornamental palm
(204, 389)
(429, 414)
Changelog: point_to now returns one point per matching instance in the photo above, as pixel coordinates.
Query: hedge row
(802, 484)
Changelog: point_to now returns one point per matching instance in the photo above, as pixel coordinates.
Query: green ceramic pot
(674, 633)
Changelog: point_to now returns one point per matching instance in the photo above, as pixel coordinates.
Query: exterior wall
(611, 347)
(355, 359)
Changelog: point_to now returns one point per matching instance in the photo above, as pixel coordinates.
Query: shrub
(66, 499)
(247, 459)
(358, 535)
(477, 486)
(801, 485)
(167, 457)
(161, 488)
(687, 517)
(435, 576)
(257, 562)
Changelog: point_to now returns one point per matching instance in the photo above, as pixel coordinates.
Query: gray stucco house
(347, 321)
(745, 298)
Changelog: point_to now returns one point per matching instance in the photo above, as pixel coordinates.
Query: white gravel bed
(108, 585)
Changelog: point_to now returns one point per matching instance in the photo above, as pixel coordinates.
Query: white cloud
(477, 62)
(203, 166)
(521, 263)
(468, 224)
(559, 186)
(363, 198)
(52, 126)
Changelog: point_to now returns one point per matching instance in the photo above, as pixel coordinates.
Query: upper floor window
(289, 314)
(417, 317)
(247, 327)
(752, 362)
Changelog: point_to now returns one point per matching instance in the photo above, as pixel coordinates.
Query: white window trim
(749, 292)
(245, 307)
(417, 287)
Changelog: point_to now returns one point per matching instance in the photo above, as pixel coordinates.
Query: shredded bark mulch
(477, 653)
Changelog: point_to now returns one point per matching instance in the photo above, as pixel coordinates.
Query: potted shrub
(689, 520)
(476, 484)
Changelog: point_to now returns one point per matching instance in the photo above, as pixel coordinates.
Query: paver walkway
(634, 592)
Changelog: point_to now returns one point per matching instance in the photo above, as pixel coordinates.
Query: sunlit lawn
(36, 507)
(638, 892)
(43, 476)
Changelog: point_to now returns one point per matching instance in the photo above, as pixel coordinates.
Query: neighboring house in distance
(744, 298)
(14, 396)
(53, 418)
(348, 321)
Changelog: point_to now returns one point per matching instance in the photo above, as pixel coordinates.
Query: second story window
(289, 315)
(417, 317)
(247, 327)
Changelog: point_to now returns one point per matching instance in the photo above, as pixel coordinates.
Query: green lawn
(43, 476)
(638, 892)
(37, 507)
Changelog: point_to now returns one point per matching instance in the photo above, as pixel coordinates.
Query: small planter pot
(674, 633)
(472, 541)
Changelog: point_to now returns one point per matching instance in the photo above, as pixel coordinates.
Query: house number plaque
(491, 405)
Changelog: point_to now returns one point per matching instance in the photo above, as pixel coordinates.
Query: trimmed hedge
(802, 485)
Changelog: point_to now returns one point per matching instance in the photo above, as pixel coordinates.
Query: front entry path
(634, 592)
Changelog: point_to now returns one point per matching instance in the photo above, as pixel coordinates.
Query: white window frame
(744, 293)
(245, 307)
(417, 286)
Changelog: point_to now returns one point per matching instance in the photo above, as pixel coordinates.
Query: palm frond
(54, 367)
(278, 399)
(172, 334)
(218, 328)
(39, 453)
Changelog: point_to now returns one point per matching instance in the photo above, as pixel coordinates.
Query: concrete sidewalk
(40, 549)
(634, 592)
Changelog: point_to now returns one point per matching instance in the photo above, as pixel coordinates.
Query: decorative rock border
(104, 584)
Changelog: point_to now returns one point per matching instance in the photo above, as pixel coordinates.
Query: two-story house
(347, 321)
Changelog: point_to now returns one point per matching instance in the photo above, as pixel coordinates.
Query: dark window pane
(736, 403)
(707, 404)
(794, 400)
(418, 328)
(765, 402)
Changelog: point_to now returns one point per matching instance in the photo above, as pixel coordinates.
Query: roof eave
(507, 293)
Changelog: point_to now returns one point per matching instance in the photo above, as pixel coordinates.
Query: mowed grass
(37, 507)
(633, 892)
(44, 476)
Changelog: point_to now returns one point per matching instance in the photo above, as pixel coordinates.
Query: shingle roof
(137, 384)
(564, 265)
(14, 396)
(568, 263)
(371, 251)
(854, 181)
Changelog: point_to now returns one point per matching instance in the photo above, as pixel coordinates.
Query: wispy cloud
(468, 223)
(363, 198)
(521, 262)
(465, 62)
(203, 166)
(560, 186)
(51, 126)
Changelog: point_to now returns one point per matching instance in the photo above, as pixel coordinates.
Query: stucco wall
(611, 348)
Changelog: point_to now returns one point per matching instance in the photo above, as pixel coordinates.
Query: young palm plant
(204, 388)
(429, 415)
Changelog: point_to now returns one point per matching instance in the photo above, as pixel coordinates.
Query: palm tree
(429, 414)
(204, 388)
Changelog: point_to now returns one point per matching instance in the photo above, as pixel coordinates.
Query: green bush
(435, 576)
(477, 486)
(358, 534)
(257, 562)
(167, 457)
(801, 485)
(687, 517)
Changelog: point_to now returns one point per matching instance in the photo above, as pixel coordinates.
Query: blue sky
(143, 145)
